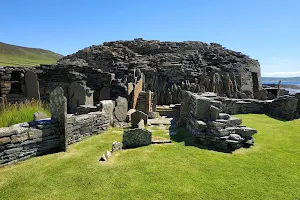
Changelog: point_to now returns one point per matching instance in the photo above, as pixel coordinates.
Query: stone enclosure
(109, 84)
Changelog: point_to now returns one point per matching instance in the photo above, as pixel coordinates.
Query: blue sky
(267, 30)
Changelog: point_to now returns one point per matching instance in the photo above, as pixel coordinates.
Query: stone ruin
(202, 116)
(99, 84)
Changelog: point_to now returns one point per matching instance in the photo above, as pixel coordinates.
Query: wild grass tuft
(21, 112)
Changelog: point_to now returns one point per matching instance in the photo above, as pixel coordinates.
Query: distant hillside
(275, 79)
(11, 55)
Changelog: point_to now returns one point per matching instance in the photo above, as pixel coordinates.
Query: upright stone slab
(105, 93)
(136, 92)
(202, 111)
(58, 108)
(32, 85)
(121, 109)
(108, 107)
(79, 94)
(148, 102)
(136, 117)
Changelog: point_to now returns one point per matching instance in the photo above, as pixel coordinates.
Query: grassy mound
(18, 113)
(268, 170)
(11, 55)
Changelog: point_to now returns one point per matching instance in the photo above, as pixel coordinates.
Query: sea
(291, 90)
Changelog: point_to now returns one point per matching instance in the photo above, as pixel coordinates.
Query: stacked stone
(22, 141)
(170, 67)
(243, 106)
(297, 96)
(284, 107)
(80, 127)
(211, 128)
(142, 102)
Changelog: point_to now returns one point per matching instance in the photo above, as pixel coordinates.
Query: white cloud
(274, 58)
(297, 73)
(285, 60)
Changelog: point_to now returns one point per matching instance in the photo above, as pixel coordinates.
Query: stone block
(245, 132)
(39, 115)
(107, 106)
(224, 116)
(116, 146)
(121, 109)
(214, 113)
(141, 124)
(136, 118)
(4, 140)
(34, 133)
(128, 119)
(105, 157)
(19, 138)
(136, 137)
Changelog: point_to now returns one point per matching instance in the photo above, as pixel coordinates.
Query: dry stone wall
(22, 141)
(211, 128)
(83, 126)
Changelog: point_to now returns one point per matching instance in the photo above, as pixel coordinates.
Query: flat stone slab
(160, 121)
(161, 141)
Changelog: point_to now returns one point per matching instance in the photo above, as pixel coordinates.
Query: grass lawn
(268, 170)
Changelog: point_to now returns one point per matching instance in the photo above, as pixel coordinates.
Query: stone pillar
(58, 108)
(148, 102)
(278, 89)
(32, 85)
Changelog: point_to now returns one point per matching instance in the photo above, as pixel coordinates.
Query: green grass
(18, 113)
(11, 55)
(268, 170)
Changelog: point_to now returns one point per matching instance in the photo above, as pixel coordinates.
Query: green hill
(11, 55)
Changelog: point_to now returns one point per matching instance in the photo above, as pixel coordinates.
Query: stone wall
(243, 106)
(22, 141)
(201, 115)
(25, 140)
(80, 127)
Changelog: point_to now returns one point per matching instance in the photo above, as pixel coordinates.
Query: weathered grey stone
(202, 108)
(235, 137)
(58, 108)
(141, 124)
(224, 116)
(85, 109)
(214, 113)
(39, 115)
(79, 94)
(32, 85)
(136, 137)
(4, 140)
(116, 146)
(105, 93)
(128, 119)
(153, 115)
(245, 132)
(107, 106)
(283, 108)
(105, 157)
(121, 109)
(34, 133)
(136, 118)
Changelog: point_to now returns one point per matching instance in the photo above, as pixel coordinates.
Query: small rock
(116, 146)
(105, 156)
(141, 124)
(235, 137)
(39, 115)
